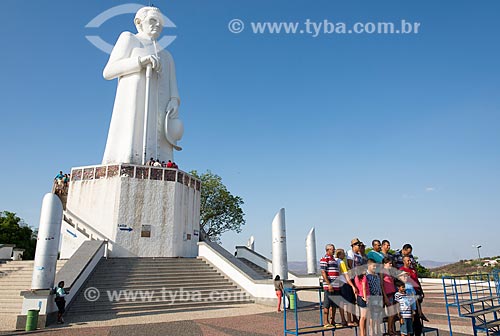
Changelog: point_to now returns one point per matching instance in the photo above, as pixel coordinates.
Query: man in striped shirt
(331, 269)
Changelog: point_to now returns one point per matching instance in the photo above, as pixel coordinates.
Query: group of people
(156, 163)
(61, 182)
(377, 283)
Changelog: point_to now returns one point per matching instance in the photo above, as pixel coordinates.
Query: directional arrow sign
(71, 233)
(126, 229)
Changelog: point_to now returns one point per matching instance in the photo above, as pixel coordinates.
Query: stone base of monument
(142, 211)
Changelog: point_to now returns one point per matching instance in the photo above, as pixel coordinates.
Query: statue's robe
(125, 137)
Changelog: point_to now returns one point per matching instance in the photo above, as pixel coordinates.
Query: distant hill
(462, 267)
(433, 264)
(299, 267)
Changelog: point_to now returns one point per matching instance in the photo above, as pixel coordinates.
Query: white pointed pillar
(47, 246)
(251, 243)
(280, 262)
(311, 252)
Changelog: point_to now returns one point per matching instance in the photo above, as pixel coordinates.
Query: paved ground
(248, 320)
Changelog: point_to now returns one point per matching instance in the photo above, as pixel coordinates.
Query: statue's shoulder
(127, 37)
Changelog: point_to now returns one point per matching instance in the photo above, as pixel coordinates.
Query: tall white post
(47, 246)
(251, 243)
(280, 262)
(311, 252)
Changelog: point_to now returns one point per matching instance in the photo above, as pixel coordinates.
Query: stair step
(159, 269)
(162, 286)
(153, 282)
(164, 276)
(149, 306)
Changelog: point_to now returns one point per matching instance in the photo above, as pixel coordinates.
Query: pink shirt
(360, 284)
(388, 284)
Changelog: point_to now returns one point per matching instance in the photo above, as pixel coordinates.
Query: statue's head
(149, 21)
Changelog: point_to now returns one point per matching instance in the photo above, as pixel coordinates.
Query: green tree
(13, 230)
(422, 271)
(220, 211)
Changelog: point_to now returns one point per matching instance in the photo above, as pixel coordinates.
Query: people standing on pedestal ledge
(61, 182)
(157, 163)
(150, 162)
(59, 176)
(66, 180)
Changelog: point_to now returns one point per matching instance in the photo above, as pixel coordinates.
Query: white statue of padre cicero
(145, 119)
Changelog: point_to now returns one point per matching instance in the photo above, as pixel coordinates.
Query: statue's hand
(153, 60)
(173, 105)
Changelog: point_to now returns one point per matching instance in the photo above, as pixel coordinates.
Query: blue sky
(369, 136)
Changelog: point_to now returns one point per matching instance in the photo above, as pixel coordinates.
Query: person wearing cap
(354, 257)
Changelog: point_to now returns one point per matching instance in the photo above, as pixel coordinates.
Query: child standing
(375, 302)
(361, 299)
(346, 291)
(406, 309)
(389, 289)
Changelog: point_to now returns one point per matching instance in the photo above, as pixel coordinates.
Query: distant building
(490, 263)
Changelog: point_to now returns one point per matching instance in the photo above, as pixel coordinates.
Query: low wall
(265, 263)
(227, 264)
(256, 258)
(6, 251)
(262, 290)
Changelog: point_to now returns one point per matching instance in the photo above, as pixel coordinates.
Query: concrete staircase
(130, 286)
(261, 271)
(15, 276)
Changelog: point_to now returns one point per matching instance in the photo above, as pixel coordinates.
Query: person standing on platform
(406, 309)
(330, 272)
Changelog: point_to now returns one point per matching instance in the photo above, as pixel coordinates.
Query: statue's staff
(149, 70)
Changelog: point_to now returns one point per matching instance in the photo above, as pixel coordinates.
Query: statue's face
(151, 26)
